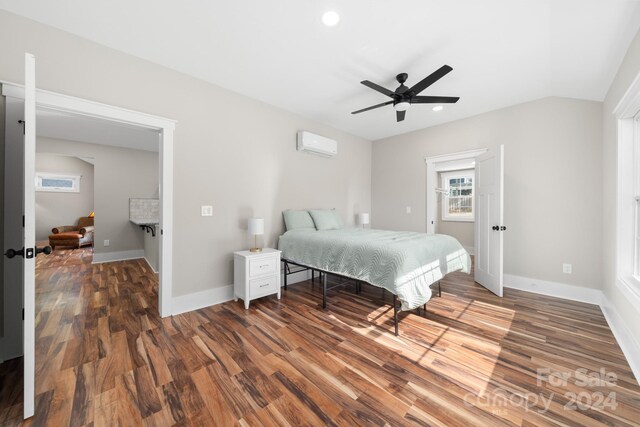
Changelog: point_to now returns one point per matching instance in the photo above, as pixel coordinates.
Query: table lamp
(364, 219)
(256, 228)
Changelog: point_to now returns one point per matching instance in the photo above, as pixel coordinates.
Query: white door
(29, 267)
(489, 227)
(20, 141)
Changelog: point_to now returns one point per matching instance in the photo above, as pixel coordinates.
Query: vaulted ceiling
(503, 52)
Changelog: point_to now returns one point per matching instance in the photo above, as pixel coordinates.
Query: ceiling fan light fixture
(330, 18)
(438, 108)
(402, 106)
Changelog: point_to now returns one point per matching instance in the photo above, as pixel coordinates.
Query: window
(627, 207)
(57, 183)
(457, 200)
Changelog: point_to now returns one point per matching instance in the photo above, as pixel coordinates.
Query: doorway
(487, 205)
(14, 344)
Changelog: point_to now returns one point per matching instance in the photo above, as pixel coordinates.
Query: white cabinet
(256, 274)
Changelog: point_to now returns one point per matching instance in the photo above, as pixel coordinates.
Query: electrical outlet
(408, 209)
(206, 210)
(106, 242)
(567, 268)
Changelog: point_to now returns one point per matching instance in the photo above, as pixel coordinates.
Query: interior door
(20, 140)
(489, 227)
(29, 261)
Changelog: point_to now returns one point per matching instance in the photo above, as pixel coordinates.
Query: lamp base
(255, 250)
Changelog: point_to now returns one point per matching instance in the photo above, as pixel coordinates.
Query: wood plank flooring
(104, 357)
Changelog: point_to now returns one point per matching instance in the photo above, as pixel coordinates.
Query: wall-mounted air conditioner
(316, 144)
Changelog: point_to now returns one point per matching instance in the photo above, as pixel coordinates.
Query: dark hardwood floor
(104, 357)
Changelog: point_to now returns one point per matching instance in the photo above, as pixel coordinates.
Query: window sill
(630, 287)
(458, 220)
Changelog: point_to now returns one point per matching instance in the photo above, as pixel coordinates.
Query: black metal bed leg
(395, 315)
(286, 267)
(324, 291)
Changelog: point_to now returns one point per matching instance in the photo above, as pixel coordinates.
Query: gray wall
(626, 74)
(54, 209)
(553, 183)
(461, 230)
(232, 152)
(119, 174)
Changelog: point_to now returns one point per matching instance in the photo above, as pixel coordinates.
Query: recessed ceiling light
(438, 108)
(330, 18)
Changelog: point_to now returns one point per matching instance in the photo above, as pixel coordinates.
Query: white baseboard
(300, 276)
(150, 265)
(198, 300)
(628, 344)
(470, 249)
(117, 256)
(202, 299)
(553, 289)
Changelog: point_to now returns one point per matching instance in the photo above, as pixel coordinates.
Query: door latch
(28, 253)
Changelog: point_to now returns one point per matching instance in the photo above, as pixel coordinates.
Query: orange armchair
(73, 235)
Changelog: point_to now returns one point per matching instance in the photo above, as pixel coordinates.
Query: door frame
(165, 127)
(443, 163)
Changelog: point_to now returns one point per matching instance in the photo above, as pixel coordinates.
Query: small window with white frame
(457, 200)
(58, 183)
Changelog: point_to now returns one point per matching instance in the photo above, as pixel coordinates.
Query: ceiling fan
(404, 96)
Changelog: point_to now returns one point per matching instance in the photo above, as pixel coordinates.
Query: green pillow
(297, 219)
(326, 219)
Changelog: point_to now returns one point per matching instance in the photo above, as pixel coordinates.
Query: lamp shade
(364, 218)
(402, 106)
(256, 226)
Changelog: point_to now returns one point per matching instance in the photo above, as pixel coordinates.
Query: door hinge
(23, 314)
(24, 125)
(22, 221)
(161, 232)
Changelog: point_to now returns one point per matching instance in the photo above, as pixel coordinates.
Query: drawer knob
(266, 284)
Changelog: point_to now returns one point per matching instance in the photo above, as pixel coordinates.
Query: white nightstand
(256, 274)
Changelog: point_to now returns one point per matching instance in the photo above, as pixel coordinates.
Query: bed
(404, 263)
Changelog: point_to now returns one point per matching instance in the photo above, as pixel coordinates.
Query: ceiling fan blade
(377, 88)
(400, 115)
(431, 79)
(434, 99)
(372, 107)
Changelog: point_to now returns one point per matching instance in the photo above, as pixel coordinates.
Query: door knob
(495, 228)
(46, 250)
(503, 228)
(12, 253)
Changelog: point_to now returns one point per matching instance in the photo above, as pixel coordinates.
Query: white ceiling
(55, 124)
(503, 52)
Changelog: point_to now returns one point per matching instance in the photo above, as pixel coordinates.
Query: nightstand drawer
(264, 286)
(262, 266)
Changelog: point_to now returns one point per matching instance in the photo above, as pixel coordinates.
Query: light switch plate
(408, 209)
(206, 210)
(106, 243)
(567, 268)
